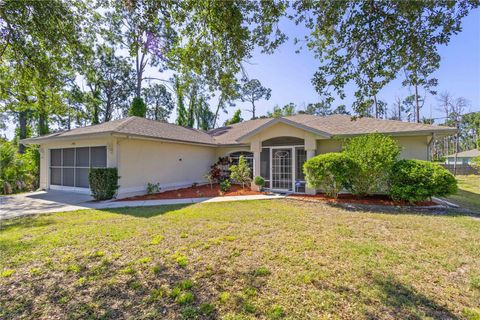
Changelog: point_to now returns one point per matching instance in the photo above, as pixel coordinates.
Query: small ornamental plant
(259, 181)
(241, 172)
(153, 188)
(225, 186)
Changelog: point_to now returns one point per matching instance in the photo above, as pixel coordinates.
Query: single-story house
(464, 157)
(159, 152)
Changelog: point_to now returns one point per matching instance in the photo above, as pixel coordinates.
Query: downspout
(429, 147)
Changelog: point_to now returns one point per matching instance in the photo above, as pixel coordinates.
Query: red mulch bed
(382, 200)
(195, 192)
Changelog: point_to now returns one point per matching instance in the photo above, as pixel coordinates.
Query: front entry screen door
(282, 169)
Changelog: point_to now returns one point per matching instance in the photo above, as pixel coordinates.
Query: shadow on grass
(416, 210)
(146, 212)
(467, 199)
(24, 223)
(404, 302)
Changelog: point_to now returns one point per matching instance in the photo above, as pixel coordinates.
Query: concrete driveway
(42, 202)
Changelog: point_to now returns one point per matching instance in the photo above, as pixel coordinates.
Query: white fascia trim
(140, 137)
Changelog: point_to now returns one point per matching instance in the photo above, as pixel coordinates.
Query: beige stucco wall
(413, 147)
(107, 141)
(172, 165)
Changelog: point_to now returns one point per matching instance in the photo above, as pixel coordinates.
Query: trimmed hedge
(331, 172)
(103, 182)
(417, 180)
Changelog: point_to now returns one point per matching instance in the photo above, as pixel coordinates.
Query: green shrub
(331, 172)
(417, 180)
(225, 185)
(18, 172)
(103, 182)
(476, 163)
(375, 155)
(241, 172)
(259, 181)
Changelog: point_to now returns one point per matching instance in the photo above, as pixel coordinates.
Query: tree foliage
(369, 42)
(159, 102)
(236, 118)
(109, 81)
(252, 91)
(286, 110)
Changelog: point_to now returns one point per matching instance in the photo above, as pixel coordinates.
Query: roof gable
(284, 121)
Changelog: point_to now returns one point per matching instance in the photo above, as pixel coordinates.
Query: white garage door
(69, 167)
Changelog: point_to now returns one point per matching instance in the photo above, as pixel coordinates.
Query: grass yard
(468, 195)
(277, 259)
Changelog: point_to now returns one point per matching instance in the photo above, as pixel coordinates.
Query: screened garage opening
(69, 166)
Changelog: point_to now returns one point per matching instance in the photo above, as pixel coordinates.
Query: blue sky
(289, 74)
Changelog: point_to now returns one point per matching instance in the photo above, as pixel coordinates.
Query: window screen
(82, 157)
(265, 163)
(98, 157)
(68, 158)
(70, 166)
(56, 157)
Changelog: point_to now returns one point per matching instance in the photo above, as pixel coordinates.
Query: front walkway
(61, 201)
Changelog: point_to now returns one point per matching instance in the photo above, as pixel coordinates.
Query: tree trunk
(253, 109)
(219, 105)
(22, 122)
(399, 111)
(417, 105)
(376, 105)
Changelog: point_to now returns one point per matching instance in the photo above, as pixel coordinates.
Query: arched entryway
(281, 164)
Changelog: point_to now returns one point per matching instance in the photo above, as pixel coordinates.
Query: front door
(282, 169)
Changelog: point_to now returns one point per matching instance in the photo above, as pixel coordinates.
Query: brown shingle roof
(135, 126)
(334, 125)
(339, 124)
(230, 134)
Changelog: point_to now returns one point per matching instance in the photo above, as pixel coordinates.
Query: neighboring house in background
(464, 157)
(151, 151)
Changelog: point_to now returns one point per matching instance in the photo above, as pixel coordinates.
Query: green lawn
(468, 195)
(277, 259)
